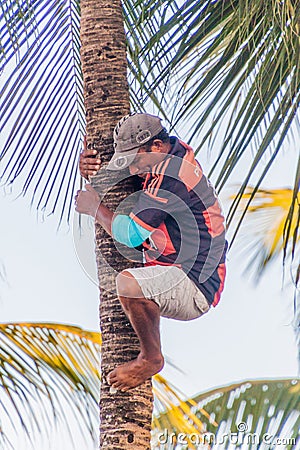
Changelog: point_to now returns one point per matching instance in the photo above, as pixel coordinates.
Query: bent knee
(127, 286)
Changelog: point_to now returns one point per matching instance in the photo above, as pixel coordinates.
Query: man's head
(140, 142)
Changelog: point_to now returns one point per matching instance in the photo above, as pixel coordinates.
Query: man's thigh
(175, 294)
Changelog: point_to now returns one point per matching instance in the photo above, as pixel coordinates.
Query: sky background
(249, 335)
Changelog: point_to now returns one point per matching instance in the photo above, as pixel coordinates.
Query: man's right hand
(88, 163)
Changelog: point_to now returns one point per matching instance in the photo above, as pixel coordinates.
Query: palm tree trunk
(125, 417)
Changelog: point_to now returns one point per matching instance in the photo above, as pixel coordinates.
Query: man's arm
(121, 227)
(88, 202)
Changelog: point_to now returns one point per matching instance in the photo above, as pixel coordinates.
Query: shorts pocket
(201, 303)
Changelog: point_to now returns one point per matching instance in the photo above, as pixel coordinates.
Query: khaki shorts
(175, 294)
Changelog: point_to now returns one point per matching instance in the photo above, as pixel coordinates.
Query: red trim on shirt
(144, 183)
(161, 175)
(155, 197)
(155, 174)
(186, 146)
(221, 273)
(214, 219)
(140, 222)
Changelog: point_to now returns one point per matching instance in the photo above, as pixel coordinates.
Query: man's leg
(144, 316)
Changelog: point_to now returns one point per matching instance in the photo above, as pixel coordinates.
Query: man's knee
(127, 286)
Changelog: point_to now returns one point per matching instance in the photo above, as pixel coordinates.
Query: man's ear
(157, 146)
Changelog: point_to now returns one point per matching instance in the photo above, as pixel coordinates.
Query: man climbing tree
(178, 221)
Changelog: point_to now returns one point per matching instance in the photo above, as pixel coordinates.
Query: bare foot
(135, 372)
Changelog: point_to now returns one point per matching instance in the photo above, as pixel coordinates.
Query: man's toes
(111, 377)
(124, 388)
(117, 384)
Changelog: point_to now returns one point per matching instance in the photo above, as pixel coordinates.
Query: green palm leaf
(42, 109)
(234, 75)
(248, 415)
(234, 55)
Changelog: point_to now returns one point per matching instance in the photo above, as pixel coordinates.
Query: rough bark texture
(125, 417)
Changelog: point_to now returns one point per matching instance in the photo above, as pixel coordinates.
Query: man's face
(145, 160)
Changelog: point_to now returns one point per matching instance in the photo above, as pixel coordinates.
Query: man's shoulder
(168, 173)
(184, 166)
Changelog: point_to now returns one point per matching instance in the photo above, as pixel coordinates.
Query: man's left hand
(89, 162)
(88, 201)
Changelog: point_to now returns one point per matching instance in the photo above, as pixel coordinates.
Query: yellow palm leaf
(40, 362)
(267, 224)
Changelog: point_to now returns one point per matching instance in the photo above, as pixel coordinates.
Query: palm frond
(177, 413)
(41, 364)
(232, 69)
(231, 53)
(251, 414)
(42, 110)
(142, 21)
(265, 232)
(227, 71)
